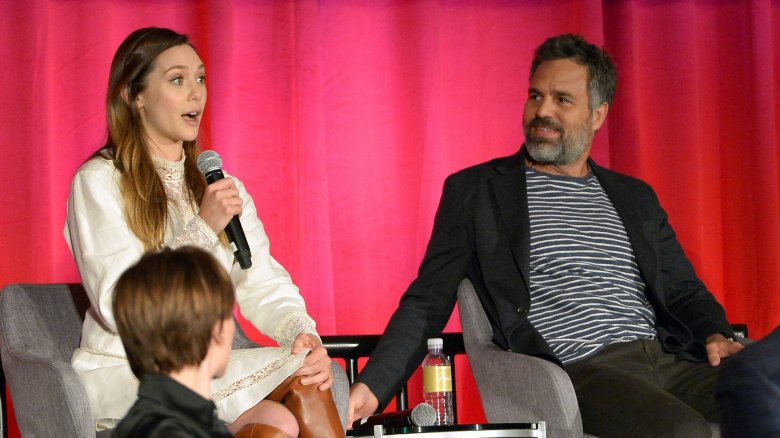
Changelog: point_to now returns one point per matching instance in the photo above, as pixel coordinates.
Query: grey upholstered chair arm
(521, 388)
(514, 387)
(38, 411)
(241, 340)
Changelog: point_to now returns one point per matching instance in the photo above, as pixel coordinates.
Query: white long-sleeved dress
(103, 245)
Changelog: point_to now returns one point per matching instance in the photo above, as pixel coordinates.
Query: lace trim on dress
(170, 171)
(252, 379)
(107, 354)
(101, 353)
(172, 176)
(291, 326)
(196, 233)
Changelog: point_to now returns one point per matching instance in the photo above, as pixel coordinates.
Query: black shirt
(166, 408)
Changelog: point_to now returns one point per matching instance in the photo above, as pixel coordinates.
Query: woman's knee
(277, 415)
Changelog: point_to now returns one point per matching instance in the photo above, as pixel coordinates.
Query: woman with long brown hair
(141, 192)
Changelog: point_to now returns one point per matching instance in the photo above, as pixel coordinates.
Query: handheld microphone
(210, 165)
(422, 415)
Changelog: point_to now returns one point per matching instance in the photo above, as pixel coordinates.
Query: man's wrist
(717, 337)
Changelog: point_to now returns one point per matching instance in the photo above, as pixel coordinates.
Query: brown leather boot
(259, 430)
(314, 409)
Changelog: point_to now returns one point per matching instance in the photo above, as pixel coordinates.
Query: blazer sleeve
(427, 304)
(685, 296)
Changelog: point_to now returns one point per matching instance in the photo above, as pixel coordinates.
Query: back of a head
(166, 306)
(602, 73)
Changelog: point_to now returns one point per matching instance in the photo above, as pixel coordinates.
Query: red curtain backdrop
(343, 118)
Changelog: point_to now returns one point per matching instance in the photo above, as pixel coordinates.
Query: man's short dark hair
(602, 74)
(166, 307)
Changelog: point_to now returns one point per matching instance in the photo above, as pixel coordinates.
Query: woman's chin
(189, 136)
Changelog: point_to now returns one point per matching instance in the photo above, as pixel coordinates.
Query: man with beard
(573, 263)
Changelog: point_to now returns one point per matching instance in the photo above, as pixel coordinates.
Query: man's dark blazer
(482, 231)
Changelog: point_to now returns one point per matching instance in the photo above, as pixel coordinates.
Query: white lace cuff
(291, 326)
(196, 233)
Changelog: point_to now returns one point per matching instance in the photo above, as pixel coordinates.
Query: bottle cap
(435, 342)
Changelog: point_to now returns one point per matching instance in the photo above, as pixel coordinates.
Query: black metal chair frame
(352, 347)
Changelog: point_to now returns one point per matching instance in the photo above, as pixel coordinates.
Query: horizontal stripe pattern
(586, 289)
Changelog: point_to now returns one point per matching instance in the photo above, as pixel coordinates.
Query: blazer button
(521, 311)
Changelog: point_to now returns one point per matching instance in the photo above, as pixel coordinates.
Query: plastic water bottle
(437, 382)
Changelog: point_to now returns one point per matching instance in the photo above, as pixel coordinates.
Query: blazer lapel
(509, 189)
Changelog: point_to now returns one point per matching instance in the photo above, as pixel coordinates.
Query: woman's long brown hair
(143, 193)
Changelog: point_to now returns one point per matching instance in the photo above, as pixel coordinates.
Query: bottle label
(437, 379)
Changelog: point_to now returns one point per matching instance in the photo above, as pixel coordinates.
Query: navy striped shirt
(586, 289)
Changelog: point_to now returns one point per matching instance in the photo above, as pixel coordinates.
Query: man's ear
(218, 333)
(599, 115)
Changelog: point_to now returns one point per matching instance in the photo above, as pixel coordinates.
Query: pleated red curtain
(344, 117)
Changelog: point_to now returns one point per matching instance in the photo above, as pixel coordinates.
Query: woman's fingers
(327, 384)
(316, 367)
(303, 341)
(221, 201)
(316, 362)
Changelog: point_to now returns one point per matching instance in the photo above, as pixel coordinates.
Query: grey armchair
(517, 388)
(40, 327)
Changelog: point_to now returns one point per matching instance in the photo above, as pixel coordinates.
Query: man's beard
(559, 152)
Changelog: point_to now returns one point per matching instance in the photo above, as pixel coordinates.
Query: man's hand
(719, 347)
(362, 403)
(316, 366)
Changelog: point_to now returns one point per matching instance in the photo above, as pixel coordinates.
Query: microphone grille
(208, 161)
(423, 415)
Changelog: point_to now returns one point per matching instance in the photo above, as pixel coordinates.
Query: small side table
(495, 430)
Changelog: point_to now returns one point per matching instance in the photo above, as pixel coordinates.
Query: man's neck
(579, 168)
(198, 379)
